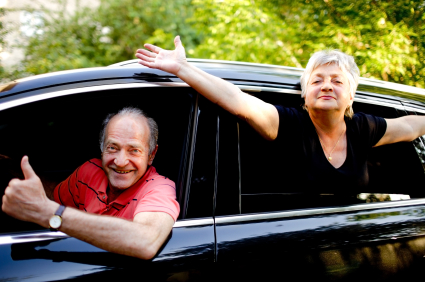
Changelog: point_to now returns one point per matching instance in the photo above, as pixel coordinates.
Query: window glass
(62, 133)
(200, 202)
(269, 183)
(227, 198)
(419, 144)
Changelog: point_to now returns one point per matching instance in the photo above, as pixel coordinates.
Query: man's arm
(263, 117)
(403, 129)
(142, 237)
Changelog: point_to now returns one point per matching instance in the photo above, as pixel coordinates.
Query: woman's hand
(158, 58)
(263, 117)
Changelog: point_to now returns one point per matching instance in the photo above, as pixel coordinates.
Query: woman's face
(328, 89)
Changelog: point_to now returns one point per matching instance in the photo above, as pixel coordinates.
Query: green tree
(3, 32)
(243, 30)
(384, 36)
(105, 35)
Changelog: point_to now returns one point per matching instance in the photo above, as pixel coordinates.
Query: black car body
(237, 221)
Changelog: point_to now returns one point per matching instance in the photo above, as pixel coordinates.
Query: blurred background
(386, 37)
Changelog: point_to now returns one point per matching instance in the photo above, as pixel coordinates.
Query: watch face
(55, 222)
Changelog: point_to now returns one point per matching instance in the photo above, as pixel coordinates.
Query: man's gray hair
(133, 112)
(343, 61)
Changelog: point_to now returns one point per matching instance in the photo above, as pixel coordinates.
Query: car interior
(62, 133)
(395, 170)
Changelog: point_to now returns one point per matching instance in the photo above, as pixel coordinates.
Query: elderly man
(119, 203)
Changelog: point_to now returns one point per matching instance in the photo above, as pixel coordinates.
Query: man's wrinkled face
(125, 155)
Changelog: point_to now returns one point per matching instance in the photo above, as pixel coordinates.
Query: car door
(59, 130)
(267, 232)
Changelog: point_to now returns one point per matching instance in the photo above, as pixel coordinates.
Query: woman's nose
(327, 86)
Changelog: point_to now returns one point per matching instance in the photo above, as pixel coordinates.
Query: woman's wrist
(184, 70)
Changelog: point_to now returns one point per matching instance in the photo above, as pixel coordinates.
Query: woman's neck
(329, 124)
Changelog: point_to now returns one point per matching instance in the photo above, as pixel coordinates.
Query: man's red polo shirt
(85, 189)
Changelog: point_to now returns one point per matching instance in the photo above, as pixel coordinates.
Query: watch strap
(60, 210)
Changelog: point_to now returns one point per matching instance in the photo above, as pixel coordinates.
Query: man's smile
(121, 171)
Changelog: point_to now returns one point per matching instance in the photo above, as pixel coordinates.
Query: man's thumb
(26, 168)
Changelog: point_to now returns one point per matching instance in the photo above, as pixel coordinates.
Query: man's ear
(152, 156)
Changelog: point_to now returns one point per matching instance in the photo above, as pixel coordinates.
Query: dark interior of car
(393, 169)
(60, 134)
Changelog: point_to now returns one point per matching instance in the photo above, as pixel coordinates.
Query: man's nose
(121, 160)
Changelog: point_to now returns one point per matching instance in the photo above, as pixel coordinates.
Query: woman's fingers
(147, 53)
(153, 48)
(147, 64)
(145, 58)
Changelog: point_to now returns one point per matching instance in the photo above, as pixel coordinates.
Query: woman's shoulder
(362, 118)
(290, 111)
(366, 124)
(292, 119)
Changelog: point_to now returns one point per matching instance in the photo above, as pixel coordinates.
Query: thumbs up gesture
(26, 199)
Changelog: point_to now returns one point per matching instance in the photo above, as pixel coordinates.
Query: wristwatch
(55, 221)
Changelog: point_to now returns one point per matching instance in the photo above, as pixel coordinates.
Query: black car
(238, 220)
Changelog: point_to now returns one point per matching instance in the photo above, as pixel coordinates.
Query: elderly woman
(330, 142)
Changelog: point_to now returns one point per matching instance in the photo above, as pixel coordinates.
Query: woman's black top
(306, 163)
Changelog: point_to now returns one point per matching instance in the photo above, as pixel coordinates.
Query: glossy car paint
(374, 240)
(369, 242)
(37, 258)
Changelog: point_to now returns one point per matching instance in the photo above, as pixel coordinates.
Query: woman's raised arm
(263, 117)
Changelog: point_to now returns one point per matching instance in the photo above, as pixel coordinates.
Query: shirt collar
(125, 197)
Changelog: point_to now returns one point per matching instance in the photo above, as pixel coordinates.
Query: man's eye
(134, 151)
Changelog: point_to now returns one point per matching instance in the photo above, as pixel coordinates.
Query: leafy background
(385, 37)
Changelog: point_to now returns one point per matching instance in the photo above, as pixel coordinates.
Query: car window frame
(32, 96)
(362, 97)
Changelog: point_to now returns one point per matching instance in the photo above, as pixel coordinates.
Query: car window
(200, 190)
(395, 170)
(228, 173)
(60, 134)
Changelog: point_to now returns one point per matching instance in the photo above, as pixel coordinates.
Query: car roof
(236, 72)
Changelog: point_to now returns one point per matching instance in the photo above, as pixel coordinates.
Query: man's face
(126, 151)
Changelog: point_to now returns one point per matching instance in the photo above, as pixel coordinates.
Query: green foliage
(105, 35)
(3, 32)
(385, 37)
(242, 30)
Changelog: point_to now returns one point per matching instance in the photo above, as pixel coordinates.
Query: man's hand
(169, 61)
(26, 199)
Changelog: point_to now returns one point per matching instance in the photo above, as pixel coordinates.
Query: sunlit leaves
(385, 37)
